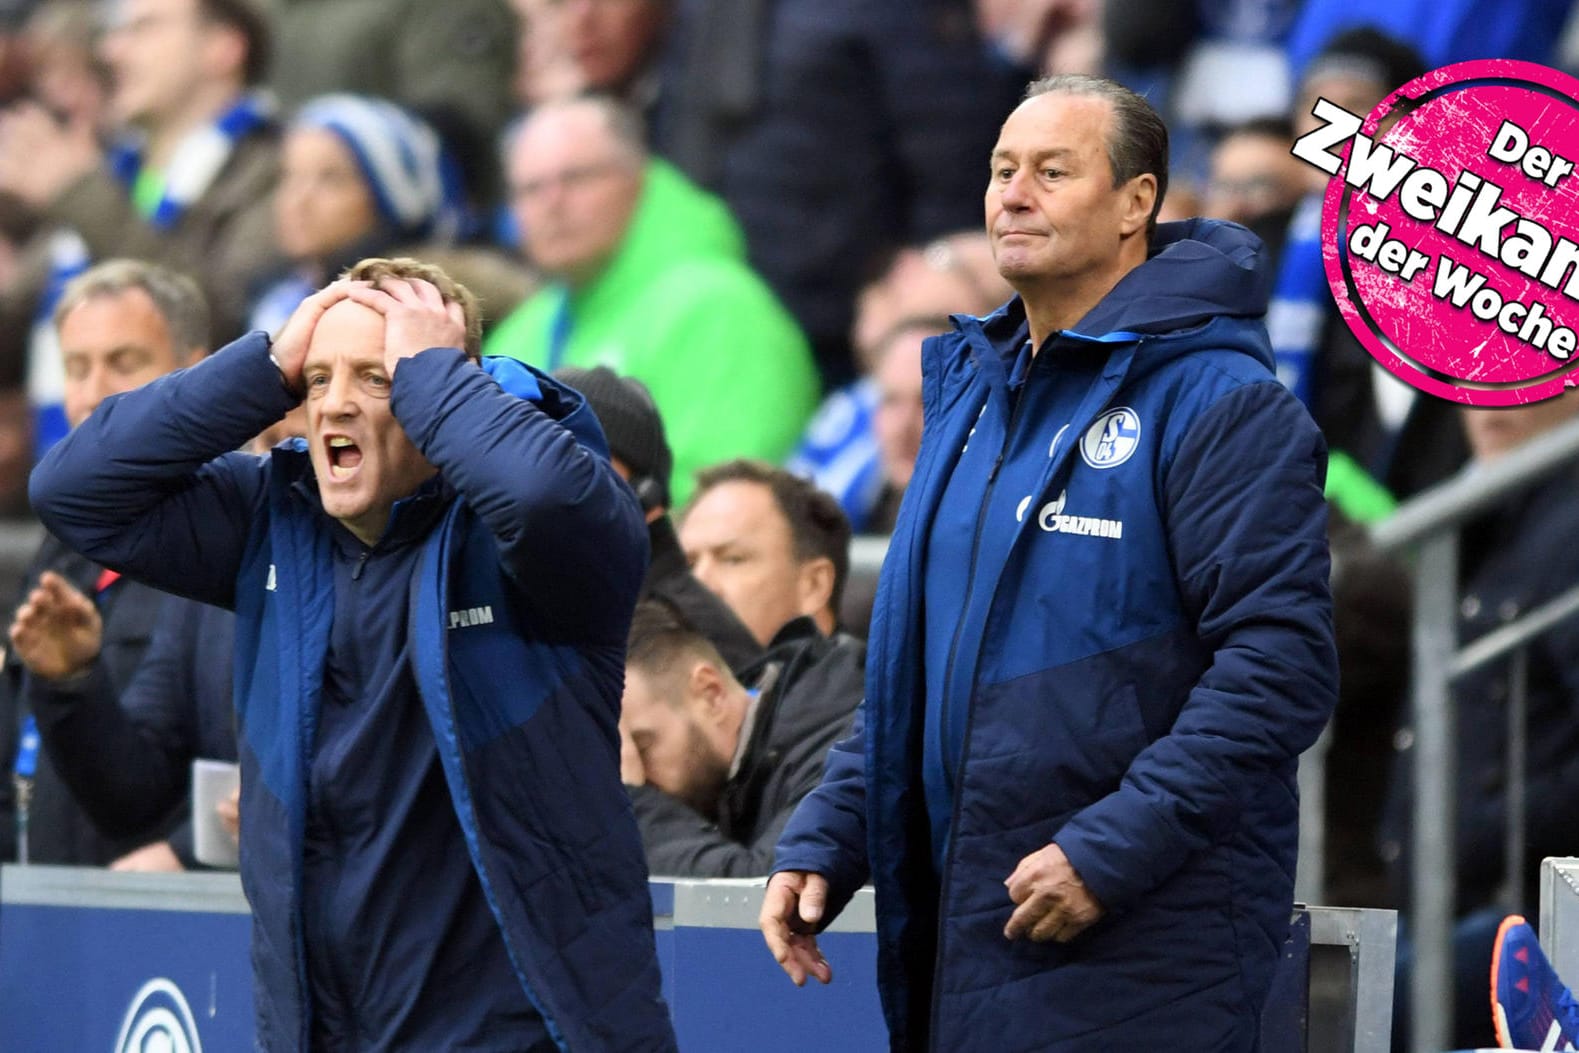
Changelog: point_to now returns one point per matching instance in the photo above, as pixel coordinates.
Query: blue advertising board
(99, 962)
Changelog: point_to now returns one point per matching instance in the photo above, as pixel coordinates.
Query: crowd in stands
(733, 225)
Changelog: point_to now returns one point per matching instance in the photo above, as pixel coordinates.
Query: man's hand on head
(1052, 902)
(57, 632)
(290, 347)
(415, 318)
(40, 157)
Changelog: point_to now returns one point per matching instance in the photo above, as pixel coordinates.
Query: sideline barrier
(96, 961)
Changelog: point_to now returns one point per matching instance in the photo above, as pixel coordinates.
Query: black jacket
(669, 581)
(810, 686)
(130, 764)
(59, 830)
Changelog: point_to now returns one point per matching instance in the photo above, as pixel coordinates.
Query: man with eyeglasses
(648, 277)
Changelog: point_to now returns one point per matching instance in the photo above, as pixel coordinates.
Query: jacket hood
(562, 403)
(1198, 270)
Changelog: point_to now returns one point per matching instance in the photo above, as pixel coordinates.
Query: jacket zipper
(970, 712)
(970, 716)
(975, 553)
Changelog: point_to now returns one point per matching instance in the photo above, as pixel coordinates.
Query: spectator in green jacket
(648, 277)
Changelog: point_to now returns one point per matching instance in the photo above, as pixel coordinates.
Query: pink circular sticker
(1451, 237)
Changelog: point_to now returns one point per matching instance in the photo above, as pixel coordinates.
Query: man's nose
(96, 387)
(339, 397)
(1015, 194)
(702, 571)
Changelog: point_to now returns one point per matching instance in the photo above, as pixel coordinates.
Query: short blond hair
(378, 269)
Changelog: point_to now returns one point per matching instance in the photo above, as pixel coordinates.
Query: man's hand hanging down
(792, 910)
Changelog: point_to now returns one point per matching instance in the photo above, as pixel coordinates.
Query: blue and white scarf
(838, 451)
(193, 167)
(197, 160)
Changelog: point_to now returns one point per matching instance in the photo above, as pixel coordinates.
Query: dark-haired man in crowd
(120, 324)
(429, 643)
(716, 764)
(1102, 635)
(640, 453)
(774, 547)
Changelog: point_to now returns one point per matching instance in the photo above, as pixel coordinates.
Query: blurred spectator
(648, 279)
(715, 765)
(1442, 31)
(13, 48)
(186, 183)
(121, 324)
(127, 757)
(836, 132)
(544, 68)
(1513, 559)
(362, 177)
(954, 274)
(1403, 441)
(640, 454)
(839, 449)
(66, 75)
(1213, 63)
(1045, 36)
(772, 545)
(897, 422)
(1253, 175)
(453, 63)
(358, 176)
(612, 43)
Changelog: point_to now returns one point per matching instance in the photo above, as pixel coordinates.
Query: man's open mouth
(345, 457)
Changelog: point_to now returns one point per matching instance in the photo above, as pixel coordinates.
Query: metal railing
(1428, 527)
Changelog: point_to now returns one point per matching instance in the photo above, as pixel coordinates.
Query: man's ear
(193, 356)
(705, 689)
(1139, 196)
(225, 50)
(815, 584)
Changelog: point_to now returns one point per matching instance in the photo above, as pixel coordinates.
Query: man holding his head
(120, 325)
(1102, 636)
(428, 652)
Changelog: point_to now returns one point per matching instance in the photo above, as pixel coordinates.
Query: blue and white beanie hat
(415, 184)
